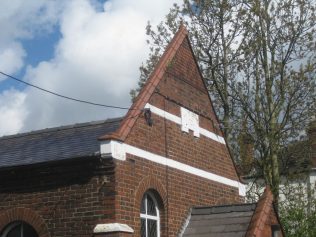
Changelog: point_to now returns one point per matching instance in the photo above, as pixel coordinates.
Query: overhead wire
(64, 96)
(93, 103)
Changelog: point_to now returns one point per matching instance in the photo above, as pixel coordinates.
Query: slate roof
(54, 144)
(220, 221)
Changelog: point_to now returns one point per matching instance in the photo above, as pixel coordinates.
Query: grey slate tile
(54, 144)
(220, 221)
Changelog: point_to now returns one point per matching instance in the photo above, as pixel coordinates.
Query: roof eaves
(39, 164)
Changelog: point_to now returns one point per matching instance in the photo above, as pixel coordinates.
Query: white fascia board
(178, 120)
(112, 227)
(173, 164)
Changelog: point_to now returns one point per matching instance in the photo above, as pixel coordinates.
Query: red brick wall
(272, 220)
(264, 217)
(179, 191)
(67, 199)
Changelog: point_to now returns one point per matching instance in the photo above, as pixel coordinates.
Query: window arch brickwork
(150, 183)
(27, 215)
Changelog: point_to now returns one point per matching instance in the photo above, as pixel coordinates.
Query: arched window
(19, 229)
(149, 215)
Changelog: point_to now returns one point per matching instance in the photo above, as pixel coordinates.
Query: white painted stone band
(163, 113)
(120, 150)
(112, 227)
(212, 135)
(178, 120)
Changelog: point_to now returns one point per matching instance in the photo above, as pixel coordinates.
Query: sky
(86, 49)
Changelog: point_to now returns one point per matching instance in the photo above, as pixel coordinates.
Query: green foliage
(298, 212)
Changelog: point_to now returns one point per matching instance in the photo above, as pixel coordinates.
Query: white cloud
(96, 59)
(19, 20)
(11, 58)
(22, 19)
(12, 111)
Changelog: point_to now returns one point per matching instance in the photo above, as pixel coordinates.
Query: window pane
(151, 208)
(15, 232)
(142, 208)
(143, 228)
(28, 231)
(152, 228)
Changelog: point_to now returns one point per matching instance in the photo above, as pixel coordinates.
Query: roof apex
(144, 95)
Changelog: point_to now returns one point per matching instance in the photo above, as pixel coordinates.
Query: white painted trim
(212, 135)
(113, 149)
(178, 165)
(190, 121)
(178, 120)
(112, 227)
(155, 218)
(242, 189)
(163, 113)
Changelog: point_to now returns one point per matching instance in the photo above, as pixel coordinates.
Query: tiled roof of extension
(54, 144)
(236, 220)
(220, 221)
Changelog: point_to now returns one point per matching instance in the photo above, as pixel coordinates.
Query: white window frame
(150, 217)
(11, 226)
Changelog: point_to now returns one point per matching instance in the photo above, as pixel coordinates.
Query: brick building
(134, 176)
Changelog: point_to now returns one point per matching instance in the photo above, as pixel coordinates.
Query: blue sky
(41, 47)
(38, 49)
(87, 49)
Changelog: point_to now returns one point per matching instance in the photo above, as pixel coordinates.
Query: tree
(258, 60)
(298, 211)
(278, 85)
